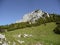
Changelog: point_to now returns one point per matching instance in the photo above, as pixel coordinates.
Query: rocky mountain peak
(34, 15)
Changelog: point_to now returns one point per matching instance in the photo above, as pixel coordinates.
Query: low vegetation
(42, 34)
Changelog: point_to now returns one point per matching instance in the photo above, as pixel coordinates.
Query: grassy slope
(42, 34)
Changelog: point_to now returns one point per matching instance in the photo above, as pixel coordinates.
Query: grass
(41, 34)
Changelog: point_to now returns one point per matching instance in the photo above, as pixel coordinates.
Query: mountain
(33, 16)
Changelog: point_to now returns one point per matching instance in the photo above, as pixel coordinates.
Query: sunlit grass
(43, 34)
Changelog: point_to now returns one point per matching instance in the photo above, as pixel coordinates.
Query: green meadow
(41, 35)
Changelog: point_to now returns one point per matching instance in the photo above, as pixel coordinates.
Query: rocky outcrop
(35, 15)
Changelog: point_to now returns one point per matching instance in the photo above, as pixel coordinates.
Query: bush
(57, 31)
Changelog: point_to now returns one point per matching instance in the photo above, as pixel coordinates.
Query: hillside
(42, 35)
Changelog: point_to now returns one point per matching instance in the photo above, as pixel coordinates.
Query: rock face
(35, 15)
(2, 36)
(3, 40)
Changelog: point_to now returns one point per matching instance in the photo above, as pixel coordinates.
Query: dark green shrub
(57, 30)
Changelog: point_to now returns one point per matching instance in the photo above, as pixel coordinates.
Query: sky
(13, 10)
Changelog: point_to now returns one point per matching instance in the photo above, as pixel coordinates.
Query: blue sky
(13, 10)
